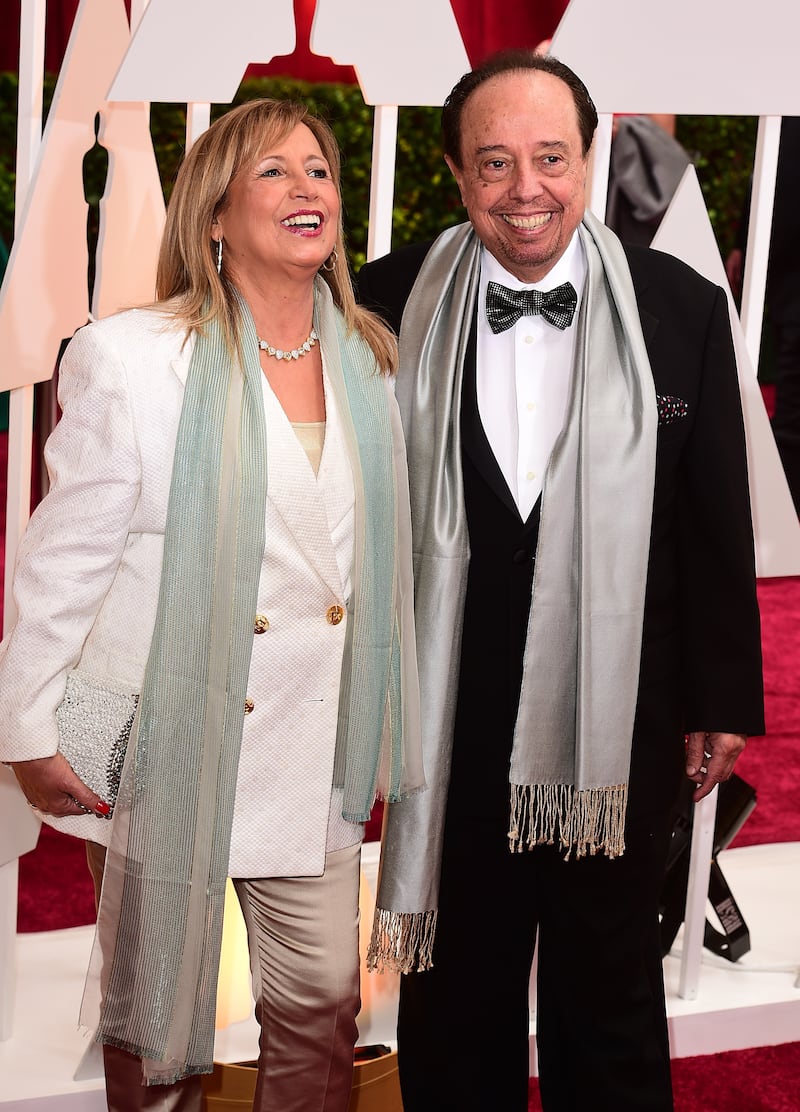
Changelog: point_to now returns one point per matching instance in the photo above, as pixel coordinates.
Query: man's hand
(710, 758)
(52, 787)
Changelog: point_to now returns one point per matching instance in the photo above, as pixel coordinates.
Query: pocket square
(670, 408)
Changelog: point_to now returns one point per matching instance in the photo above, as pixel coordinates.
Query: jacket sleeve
(73, 545)
(720, 619)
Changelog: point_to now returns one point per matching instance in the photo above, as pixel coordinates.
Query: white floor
(753, 1003)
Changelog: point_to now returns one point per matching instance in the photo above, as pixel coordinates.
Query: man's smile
(527, 223)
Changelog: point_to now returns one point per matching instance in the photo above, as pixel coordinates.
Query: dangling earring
(219, 255)
(332, 259)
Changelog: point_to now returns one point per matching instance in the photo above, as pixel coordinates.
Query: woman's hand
(52, 787)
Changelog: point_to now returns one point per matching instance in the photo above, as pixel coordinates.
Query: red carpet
(765, 1079)
(772, 763)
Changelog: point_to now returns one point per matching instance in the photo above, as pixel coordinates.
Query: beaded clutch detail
(94, 726)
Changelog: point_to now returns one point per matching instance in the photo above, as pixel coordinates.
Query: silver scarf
(572, 740)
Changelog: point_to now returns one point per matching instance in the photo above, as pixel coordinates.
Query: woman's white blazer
(87, 578)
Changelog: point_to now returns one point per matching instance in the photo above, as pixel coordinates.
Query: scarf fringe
(155, 1071)
(582, 821)
(399, 796)
(381, 797)
(402, 941)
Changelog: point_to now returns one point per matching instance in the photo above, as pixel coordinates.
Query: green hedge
(426, 199)
(722, 149)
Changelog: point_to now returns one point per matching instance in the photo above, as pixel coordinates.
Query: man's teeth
(307, 220)
(528, 222)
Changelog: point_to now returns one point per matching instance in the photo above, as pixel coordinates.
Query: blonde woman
(214, 637)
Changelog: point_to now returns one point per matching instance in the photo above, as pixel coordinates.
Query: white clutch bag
(94, 726)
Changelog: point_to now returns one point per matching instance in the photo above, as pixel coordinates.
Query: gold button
(248, 705)
(334, 614)
(261, 623)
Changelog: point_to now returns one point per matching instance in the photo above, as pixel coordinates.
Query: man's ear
(454, 170)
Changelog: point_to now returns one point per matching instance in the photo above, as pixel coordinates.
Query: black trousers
(600, 1015)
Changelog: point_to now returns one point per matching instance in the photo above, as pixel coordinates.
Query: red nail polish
(102, 808)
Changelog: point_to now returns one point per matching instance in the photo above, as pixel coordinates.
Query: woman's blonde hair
(187, 275)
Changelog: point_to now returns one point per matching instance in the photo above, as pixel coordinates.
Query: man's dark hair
(514, 61)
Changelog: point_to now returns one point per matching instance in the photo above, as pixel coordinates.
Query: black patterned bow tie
(504, 307)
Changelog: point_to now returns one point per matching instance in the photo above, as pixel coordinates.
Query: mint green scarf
(160, 921)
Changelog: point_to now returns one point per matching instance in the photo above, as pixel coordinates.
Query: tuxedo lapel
(641, 284)
(475, 442)
(473, 434)
(649, 326)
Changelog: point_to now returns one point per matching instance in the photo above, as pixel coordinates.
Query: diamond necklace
(295, 353)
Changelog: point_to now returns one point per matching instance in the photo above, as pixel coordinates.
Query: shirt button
(334, 614)
(261, 624)
(248, 705)
(531, 475)
(530, 407)
(529, 339)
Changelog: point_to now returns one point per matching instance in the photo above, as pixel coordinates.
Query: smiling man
(587, 624)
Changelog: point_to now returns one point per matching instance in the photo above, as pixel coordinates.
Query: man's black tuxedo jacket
(701, 651)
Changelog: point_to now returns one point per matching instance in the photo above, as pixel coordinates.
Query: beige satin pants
(303, 939)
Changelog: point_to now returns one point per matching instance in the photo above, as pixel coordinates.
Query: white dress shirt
(523, 378)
